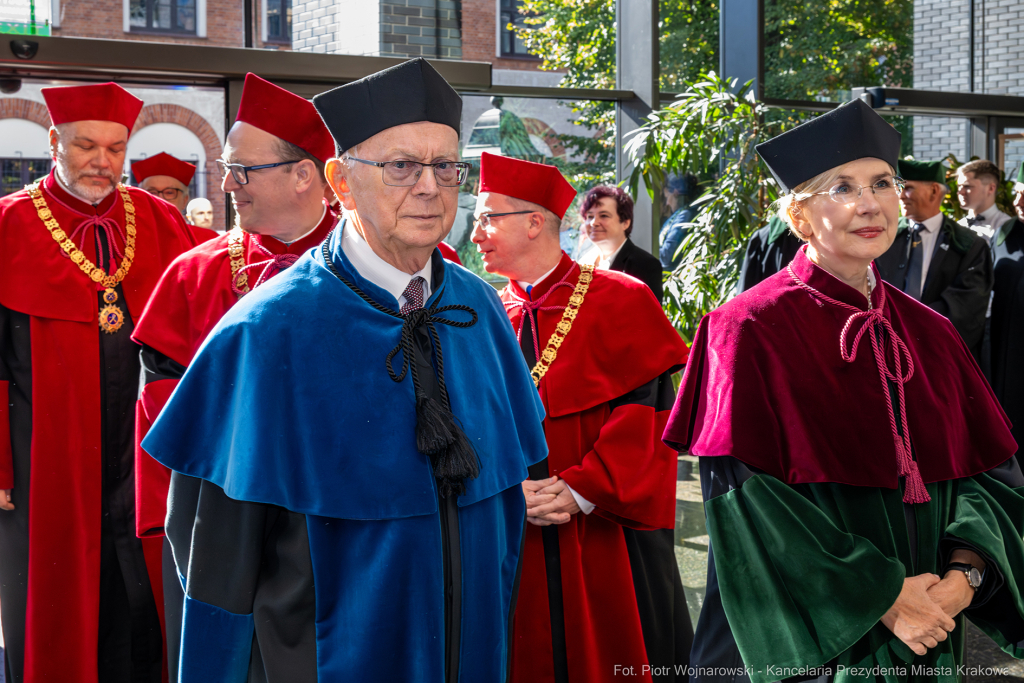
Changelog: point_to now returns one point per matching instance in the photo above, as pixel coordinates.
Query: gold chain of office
(111, 316)
(572, 309)
(236, 257)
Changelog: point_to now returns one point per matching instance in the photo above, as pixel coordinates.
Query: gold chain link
(236, 255)
(77, 257)
(572, 309)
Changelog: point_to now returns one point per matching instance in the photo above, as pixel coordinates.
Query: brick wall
(225, 24)
(315, 25)
(942, 62)
(479, 37)
(420, 28)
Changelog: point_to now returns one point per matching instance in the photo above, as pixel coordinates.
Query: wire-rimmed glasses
(407, 173)
(484, 219)
(883, 188)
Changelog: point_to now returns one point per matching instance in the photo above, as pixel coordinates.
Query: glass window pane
(162, 15)
(541, 130)
(137, 13)
(186, 16)
(10, 172)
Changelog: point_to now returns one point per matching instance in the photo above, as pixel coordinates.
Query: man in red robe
(274, 161)
(79, 256)
(168, 177)
(601, 596)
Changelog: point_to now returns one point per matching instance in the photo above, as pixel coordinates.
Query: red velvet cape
(767, 385)
(191, 298)
(64, 528)
(619, 341)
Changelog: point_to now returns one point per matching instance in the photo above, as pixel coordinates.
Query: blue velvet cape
(288, 402)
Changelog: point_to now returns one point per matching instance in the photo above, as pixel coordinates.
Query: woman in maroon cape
(861, 492)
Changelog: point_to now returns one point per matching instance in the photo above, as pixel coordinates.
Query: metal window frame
(151, 11)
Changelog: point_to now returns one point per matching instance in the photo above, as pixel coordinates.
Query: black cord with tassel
(438, 434)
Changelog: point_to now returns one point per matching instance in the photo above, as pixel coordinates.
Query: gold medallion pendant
(111, 316)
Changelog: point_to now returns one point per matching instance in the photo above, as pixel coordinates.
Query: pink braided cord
(273, 265)
(530, 308)
(915, 491)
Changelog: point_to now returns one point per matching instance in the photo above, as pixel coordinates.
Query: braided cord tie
(530, 309)
(437, 432)
(869, 321)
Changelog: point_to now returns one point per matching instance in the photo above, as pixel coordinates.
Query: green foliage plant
(711, 128)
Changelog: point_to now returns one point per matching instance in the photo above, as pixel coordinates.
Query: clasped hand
(922, 616)
(548, 501)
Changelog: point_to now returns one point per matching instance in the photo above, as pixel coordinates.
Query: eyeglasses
(484, 219)
(241, 173)
(407, 173)
(883, 188)
(168, 193)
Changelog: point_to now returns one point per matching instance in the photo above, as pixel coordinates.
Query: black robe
(959, 278)
(1007, 353)
(632, 260)
(769, 250)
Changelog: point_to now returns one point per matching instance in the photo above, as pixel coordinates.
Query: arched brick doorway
(186, 118)
(17, 108)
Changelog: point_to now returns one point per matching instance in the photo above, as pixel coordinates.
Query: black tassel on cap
(438, 434)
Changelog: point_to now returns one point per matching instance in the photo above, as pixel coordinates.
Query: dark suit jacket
(632, 260)
(959, 279)
(769, 250)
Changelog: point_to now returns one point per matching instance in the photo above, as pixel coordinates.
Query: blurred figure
(1007, 333)
(977, 182)
(941, 264)
(769, 250)
(607, 222)
(199, 213)
(678, 193)
(166, 177)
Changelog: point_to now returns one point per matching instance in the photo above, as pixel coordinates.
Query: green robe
(805, 572)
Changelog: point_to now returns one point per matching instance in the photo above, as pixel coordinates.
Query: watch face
(975, 577)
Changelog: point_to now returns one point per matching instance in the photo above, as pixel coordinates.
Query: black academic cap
(847, 133)
(410, 92)
(928, 171)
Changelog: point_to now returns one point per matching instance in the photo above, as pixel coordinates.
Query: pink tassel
(915, 491)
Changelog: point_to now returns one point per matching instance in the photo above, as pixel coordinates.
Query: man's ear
(337, 177)
(536, 225)
(305, 175)
(54, 141)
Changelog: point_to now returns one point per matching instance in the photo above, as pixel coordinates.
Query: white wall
(24, 139)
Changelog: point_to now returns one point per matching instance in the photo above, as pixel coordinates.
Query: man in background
(941, 264)
(199, 213)
(977, 182)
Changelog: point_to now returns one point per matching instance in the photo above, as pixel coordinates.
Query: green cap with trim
(928, 171)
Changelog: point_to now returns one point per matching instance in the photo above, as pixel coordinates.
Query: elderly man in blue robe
(349, 443)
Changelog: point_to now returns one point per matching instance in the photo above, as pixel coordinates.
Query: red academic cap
(526, 180)
(164, 164)
(99, 102)
(286, 115)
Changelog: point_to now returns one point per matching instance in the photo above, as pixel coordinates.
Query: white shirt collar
(377, 270)
(932, 224)
(605, 263)
(988, 214)
(528, 285)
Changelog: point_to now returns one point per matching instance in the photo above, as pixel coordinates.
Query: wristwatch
(973, 574)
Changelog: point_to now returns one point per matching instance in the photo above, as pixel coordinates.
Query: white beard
(74, 184)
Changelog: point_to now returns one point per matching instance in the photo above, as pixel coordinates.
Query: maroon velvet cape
(64, 531)
(767, 385)
(189, 301)
(619, 341)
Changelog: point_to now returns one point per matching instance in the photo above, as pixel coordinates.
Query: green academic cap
(1020, 173)
(929, 171)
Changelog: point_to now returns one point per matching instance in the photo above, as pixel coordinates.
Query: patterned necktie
(916, 265)
(413, 296)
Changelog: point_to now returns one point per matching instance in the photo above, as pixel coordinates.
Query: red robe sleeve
(630, 474)
(151, 478)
